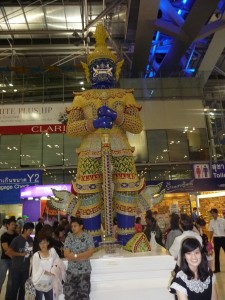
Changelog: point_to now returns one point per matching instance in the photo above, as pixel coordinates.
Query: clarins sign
(48, 128)
(33, 118)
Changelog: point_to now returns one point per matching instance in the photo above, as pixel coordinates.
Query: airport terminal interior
(173, 54)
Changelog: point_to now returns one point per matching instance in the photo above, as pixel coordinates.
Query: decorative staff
(107, 184)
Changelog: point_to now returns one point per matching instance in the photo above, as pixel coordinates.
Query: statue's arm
(128, 117)
(77, 125)
(130, 120)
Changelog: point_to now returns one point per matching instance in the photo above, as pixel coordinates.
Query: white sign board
(32, 114)
(201, 171)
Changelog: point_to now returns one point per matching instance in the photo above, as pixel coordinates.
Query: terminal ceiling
(156, 38)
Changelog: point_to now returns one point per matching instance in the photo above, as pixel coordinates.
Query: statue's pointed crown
(101, 50)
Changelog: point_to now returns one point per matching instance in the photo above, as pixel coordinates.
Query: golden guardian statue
(106, 178)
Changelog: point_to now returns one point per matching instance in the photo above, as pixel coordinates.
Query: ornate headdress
(101, 51)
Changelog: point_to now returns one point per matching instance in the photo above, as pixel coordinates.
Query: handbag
(44, 284)
(30, 291)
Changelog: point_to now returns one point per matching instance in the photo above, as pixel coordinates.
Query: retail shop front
(183, 195)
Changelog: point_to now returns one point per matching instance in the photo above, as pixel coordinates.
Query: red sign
(33, 129)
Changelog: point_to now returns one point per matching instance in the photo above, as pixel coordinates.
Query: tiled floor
(220, 279)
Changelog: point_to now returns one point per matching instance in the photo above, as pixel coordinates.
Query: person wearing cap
(217, 234)
(21, 221)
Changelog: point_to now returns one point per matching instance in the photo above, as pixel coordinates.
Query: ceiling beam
(197, 17)
(148, 10)
(105, 12)
(212, 55)
(36, 31)
(43, 47)
(210, 29)
(132, 20)
(218, 70)
(166, 6)
(170, 29)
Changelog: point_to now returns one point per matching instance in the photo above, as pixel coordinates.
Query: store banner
(33, 118)
(189, 185)
(39, 191)
(33, 129)
(218, 170)
(12, 181)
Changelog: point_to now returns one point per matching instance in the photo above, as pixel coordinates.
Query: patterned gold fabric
(126, 231)
(138, 243)
(126, 203)
(90, 205)
(81, 113)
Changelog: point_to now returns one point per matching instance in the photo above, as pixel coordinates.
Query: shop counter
(133, 276)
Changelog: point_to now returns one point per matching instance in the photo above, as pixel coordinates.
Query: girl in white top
(42, 264)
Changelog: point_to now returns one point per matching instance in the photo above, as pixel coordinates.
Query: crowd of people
(36, 253)
(40, 257)
(193, 251)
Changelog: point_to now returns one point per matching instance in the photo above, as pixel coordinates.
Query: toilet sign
(201, 171)
(218, 170)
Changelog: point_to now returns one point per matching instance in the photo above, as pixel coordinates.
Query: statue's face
(102, 73)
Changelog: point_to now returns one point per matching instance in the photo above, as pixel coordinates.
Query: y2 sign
(12, 181)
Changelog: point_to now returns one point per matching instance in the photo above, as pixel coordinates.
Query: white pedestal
(132, 276)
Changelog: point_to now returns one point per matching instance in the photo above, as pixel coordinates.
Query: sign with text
(12, 181)
(33, 129)
(218, 170)
(32, 115)
(189, 185)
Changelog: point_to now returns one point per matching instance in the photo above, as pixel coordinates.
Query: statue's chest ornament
(104, 96)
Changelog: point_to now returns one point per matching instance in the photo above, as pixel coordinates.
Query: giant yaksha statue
(106, 174)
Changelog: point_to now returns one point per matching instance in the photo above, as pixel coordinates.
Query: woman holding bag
(43, 262)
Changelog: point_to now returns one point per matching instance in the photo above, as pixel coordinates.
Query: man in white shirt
(187, 227)
(217, 233)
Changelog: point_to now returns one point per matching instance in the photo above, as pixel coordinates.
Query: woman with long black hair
(194, 280)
